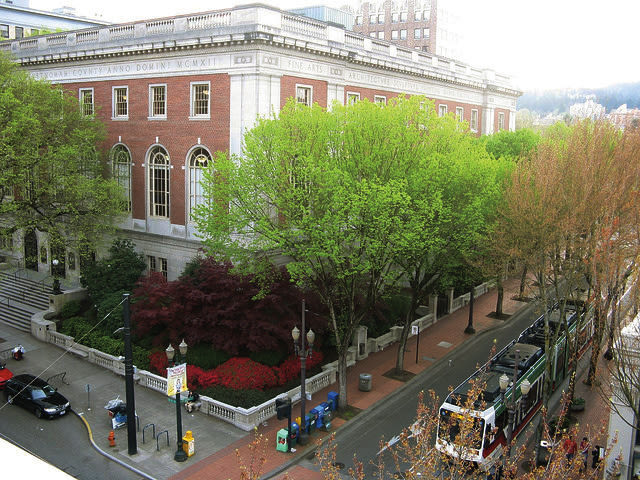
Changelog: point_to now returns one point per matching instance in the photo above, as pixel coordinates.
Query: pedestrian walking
(584, 451)
(570, 447)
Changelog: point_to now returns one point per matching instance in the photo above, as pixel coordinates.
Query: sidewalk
(218, 444)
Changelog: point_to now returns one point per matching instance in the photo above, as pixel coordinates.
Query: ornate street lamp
(56, 281)
(180, 455)
(303, 353)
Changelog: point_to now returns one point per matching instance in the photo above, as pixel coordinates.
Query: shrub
(269, 357)
(71, 309)
(237, 398)
(242, 373)
(205, 356)
(75, 327)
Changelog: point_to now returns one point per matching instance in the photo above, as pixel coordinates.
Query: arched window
(121, 170)
(199, 159)
(158, 182)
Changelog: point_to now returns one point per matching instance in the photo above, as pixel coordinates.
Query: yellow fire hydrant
(189, 444)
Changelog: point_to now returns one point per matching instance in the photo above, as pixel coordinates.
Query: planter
(577, 405)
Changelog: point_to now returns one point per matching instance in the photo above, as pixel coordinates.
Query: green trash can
(282, 439)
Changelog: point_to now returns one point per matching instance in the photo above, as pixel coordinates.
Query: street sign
(176, 380)
(414, 329)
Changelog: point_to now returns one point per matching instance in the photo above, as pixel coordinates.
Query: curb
(105, 454)
(363, 416)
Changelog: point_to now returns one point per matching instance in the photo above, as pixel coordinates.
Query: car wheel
(38, 413)
(9, 398)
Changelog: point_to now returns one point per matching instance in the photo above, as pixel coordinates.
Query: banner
(176, 380)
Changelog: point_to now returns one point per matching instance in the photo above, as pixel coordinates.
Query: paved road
(61, 441)
(399, 410)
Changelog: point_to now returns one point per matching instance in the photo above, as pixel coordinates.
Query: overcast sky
(541, 43)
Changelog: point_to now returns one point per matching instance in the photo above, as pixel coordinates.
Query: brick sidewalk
(435, 342)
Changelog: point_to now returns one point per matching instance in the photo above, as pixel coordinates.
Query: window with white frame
(381, 35)
(394, 34)
(86, 101)
(394, 17)
(372, 34)
(121, 171)
(359, 20)
(151, 264)
(4, 31)
(425, 33)
(460, 114)
(199, 159)
(164, 264)
(120, 102)
(373, 19)
(500, 121)
(200, 100)
(403, 34)
(157, 101)
(474, 120)
(442, 110)
(158, 182)
(417, 33)
(403, 16)
(381, 18)
(304, 95)
(352, 97)
(380, 99)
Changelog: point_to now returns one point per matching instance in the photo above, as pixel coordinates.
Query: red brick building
(174, 91)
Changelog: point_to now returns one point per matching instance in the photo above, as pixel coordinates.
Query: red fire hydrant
(112, 439)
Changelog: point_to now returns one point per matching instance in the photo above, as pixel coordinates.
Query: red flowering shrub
(158, 363)
(241, 373)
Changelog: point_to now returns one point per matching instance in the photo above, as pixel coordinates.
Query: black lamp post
(56, 281)
(180, 455)
(303, 353)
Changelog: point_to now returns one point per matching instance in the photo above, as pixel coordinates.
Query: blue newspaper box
(332, 400)
(319, 414)
(295, 429)
(328, 415)
(310, 422)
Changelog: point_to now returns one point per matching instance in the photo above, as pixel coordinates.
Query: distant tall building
(18, 20)
(421, 24)
(341, 17)
(588, 109)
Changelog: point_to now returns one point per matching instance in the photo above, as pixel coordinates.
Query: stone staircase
(21, 295)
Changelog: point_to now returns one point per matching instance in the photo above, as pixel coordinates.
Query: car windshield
(43, 392)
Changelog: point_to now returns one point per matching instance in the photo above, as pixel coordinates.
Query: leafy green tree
(513, 145)
(453, 193)
(325, 191)
(51, 175)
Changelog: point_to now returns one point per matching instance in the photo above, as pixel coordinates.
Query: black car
(36, 395)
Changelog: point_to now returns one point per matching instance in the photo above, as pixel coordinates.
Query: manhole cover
(445, 344)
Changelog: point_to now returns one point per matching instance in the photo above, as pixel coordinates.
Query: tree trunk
(500, 300)
(342, 379)
(523, 279)
(595, 348)
(405, 333)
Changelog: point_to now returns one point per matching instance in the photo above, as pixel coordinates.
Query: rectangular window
(381, 18)
(460, 114)
(442, 110)
(200, 100)
(304, 95)
(352, 97)
(34, 32)
(425, 14)
(381, 35)
(380, 99)
(500, 121)
(474, 121)
(4, 31)
(394, 34)
(373, 19)
(372, 34)
(425, 33)
(358, 20)
(417, 33)
(157, 101)
(19, 32)
(163, 267)
(120, 102)
(403, 34)
(86, 101)
(403, 16)
(394, 17)
(151, 263)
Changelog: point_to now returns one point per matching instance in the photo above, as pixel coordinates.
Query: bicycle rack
(158, 439)
(153, 425)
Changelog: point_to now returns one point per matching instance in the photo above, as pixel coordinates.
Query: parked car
(5, 374)
(36, 395)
